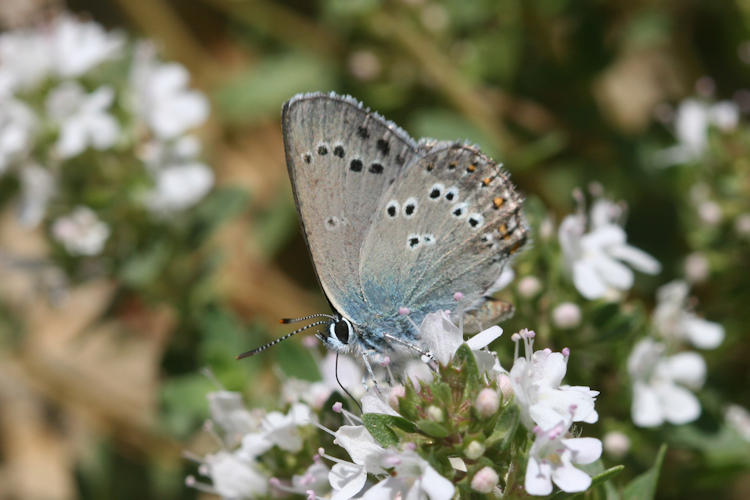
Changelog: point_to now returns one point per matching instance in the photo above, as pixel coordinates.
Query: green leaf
(395, 421)
(643, 487)
(143, 267)
(377, 424)
(433, 429)
(505, 429)
(469, 369)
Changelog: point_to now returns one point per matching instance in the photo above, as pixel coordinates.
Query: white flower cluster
(662, 381)
(56, 104)
(596, 251)
(549, 410)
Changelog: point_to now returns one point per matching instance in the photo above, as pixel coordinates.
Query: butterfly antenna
(280, 339)
(285, 321)
(336, 371)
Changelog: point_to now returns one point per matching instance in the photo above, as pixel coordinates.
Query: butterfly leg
(368, 367)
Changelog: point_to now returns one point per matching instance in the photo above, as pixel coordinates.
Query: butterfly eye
(342, 329)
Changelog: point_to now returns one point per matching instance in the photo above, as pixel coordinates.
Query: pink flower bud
(487, 402)
(485, 480)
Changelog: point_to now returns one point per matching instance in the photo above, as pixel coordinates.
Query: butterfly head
(341, 335)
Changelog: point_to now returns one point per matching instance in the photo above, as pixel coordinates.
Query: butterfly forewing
(341, 158)
(458, 223)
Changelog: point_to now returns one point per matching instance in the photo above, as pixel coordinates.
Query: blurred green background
(98, 398)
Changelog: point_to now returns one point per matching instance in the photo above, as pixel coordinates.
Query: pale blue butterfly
(396, 228)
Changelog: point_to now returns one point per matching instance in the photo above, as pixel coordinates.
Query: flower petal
(637, 258)
(585, 450)
(646, 410)
(679, 405)
(347, 480)
(538, 478)
(613, 272)
(587, 281)
(703, 334)
(688, 368)
(484, 338)
(436, 486)
(571, 479)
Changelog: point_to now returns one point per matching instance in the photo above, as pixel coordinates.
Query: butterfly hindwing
(449, 224)
(341, 158)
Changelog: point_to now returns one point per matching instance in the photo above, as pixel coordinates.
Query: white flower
(77, 46)
(692, 122)
(37, 187)
(316, 394)
(529, 287)
(17, 124)
(314, 478)
(361, 447)
(542, 400)
(25, 60)
(658, 380)
(282, 430)
(83, 118)
(163, 99)
(697, 267)
(551, 459)
(81, 232)
(442, 338)
(228, 412)
(413, 478)
(179, 187)
(234, 477)
(595, 258)
(673, 321)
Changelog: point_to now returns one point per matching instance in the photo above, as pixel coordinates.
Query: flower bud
(397, 391)
(474, 450)
(485, 480)
(505, 385)
(566, 315)
(487, 402)
(616, 444)
(529, 287)
(435, 413)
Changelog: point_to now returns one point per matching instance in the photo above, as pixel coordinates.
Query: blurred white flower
(551, 459)
(739, 418)
(314, 478)
(17, 124)
(697, 267)
(162, 97)
(616, 444)
(25, 60)
(179, 187)
(692, 122)
(83, 118)
(37, 187)
(659, 384)
(529, 286)
(674, 321)
(233, 477)
(283, 430)
(77, 46)
(536, 379)
(709, 212)
(228, 411)
(81, 232)
(595, 258)
(566, 315)
(742, 224)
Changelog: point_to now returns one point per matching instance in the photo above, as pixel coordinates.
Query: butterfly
(396, 228)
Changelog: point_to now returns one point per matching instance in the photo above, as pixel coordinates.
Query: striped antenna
(280, 339)
(285, 321)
